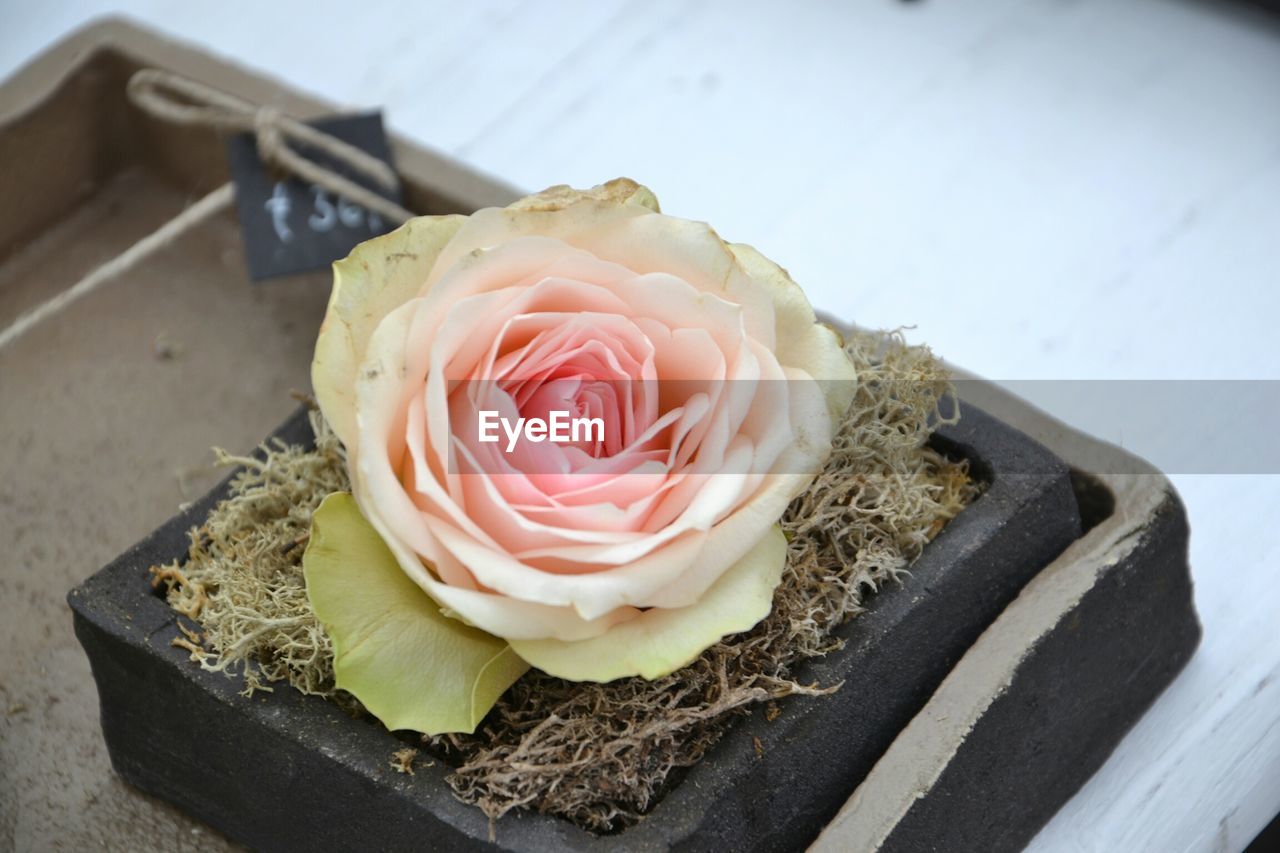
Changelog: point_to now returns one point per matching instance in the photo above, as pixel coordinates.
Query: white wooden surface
(1044, 188)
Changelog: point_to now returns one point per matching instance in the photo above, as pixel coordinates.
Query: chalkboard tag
(290, 226)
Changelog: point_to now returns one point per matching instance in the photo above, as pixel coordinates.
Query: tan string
(183, 101)
(211, 205)
(180, 100)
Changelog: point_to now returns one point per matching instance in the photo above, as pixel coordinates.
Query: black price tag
(290, 226)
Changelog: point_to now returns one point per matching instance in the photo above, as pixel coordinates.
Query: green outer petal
(618, 191)
(660, 641)
(408, 663)
(803, 342)
(377, 277)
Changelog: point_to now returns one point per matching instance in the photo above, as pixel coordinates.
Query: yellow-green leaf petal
(618, 191)
(377, 277)
(803, 342)
(660, 641)
(408, 663)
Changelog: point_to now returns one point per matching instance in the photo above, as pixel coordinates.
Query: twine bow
(180, 100)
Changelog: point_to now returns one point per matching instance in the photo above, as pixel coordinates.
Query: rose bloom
(623, 554)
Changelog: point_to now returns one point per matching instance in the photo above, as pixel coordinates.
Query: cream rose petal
(660, 641)
(802, 341)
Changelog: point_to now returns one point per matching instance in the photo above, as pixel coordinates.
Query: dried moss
(601, 754)
(242, 575)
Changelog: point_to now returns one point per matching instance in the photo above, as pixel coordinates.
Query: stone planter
(284, 771)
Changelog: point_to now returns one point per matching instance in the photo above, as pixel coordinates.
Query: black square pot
(282, 771)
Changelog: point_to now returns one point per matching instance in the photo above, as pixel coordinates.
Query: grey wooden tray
(1040, 700)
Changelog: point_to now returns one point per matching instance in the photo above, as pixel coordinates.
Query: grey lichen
(242, 579)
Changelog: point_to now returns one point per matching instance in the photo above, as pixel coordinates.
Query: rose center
(574, 397)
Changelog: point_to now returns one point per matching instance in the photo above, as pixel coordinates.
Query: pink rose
(624, 552)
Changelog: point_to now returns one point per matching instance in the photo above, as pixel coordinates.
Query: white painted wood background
(1044, 188)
